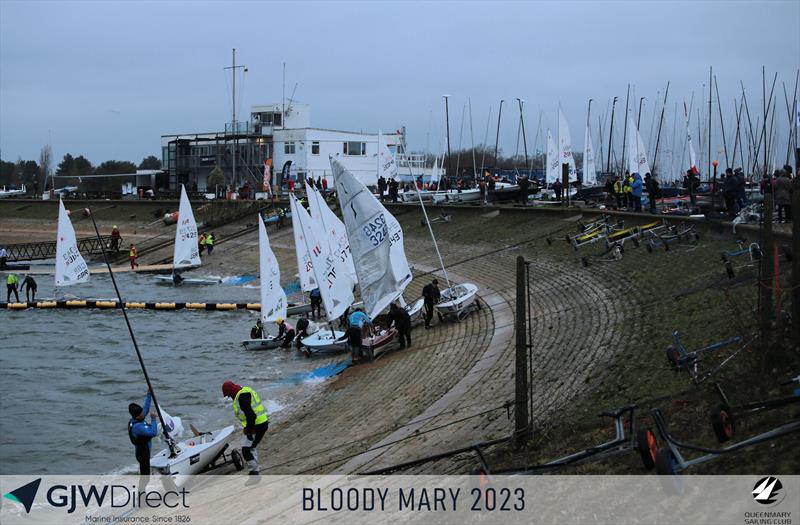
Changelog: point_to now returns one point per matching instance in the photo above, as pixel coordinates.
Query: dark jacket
(399, 318)
(431, 293)
(782, 190)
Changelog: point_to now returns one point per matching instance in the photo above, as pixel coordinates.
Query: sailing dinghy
(70, 266)
(185, 252)
(273, 297)
(330, 274)
(376, 241)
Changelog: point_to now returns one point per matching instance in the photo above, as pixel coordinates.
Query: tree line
(36, 174)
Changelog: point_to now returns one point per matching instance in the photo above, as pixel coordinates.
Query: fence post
(522, 428)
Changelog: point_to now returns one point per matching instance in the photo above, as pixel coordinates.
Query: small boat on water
(195, 455)
(187, 281)
(457, 300)
(273, 297)
(185, 253)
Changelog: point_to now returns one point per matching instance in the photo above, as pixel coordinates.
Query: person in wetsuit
(141, 434)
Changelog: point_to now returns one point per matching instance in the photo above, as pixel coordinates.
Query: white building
(274, 132)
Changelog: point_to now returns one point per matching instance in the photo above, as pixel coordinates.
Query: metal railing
(32, 251)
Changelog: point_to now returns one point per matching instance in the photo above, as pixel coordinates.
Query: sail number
(376, 230)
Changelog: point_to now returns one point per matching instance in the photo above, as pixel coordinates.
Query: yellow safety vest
(132, 253)
(617, 187)
(628, 188)
(255, 404)
(209, 240)
(12, 279)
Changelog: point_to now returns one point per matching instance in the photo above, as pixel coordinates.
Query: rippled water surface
(67, 376)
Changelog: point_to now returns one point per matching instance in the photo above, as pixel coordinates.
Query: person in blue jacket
(142, 433)
(636, 192)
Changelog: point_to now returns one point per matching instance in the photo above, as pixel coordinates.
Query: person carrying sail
(250, 411)
(141, 434)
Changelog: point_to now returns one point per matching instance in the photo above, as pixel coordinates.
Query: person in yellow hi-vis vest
(251, 413)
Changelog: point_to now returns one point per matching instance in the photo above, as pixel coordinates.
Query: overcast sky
(107, 79)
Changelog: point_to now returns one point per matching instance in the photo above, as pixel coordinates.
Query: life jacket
(132, 253)
(617, 187)
(209, 240)
(12, 279)
(142, 443)
(255, 404)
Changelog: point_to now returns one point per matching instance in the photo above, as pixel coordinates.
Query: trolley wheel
(621, 248)
(649, 246)
(696, 236)
(237, 460)
(674, 358)
(478, 305)
(723, 423)
(666, 246)
(647, 446)
(549, 240)
(635, 242)
(422, 222)
(665, 462)
(724, 257)
(755, 253)
(566, 238)
(585, 262)
(306, 353)
(729, 270)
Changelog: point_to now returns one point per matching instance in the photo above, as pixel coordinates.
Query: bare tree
(45, 158)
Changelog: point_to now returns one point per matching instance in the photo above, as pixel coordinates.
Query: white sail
(172, 424)
(692, 155)
(553, 161)
(565, 146)
(589, 172)
(387, 166)
(304, 265)
(335, 232)
(376, 240)
(436, 174)
(273, 298)
(70, 266)
(335, 283)
(185, 252)
(637, 153)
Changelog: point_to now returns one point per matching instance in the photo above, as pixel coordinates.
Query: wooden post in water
(765, 284)
(522, 430)
(565, 184)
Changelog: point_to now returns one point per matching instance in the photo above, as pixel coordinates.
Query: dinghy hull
(325, 341)
(457, 299)
(197, 454)
(267, 343)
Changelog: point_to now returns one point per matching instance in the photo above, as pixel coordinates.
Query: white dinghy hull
(190, 281)
(457, 300)
(471, 195)
(414, 310)
(268, 343)
(325, 341)
(197, 454)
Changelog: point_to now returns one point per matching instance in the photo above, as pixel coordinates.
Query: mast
(233, 67)
(522, 123)
(472, 140)
(447, 121)
(639, 115)
(625, 133)
(660, 123)
(736, 137)
(722, 123)
(173, 451)
(611, 135)
(430, 229)
(485, 137)
(497, 135)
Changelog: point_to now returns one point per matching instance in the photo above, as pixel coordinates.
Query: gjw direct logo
(69, 497)
(768, 491)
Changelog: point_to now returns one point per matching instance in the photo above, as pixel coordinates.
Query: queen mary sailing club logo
(768, 491)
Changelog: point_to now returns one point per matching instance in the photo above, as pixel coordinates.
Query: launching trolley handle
(170, 443)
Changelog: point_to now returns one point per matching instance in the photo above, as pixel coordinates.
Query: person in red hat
(252, 414)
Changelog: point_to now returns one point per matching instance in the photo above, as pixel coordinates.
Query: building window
(276, 119)
(358, 149)
(288, 148)
(315, 147)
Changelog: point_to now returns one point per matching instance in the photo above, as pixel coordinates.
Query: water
(67, 376)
